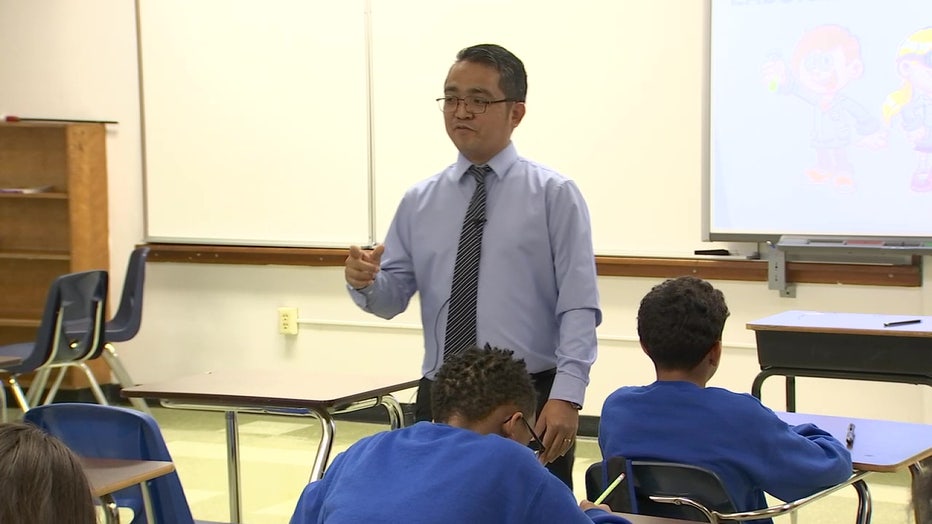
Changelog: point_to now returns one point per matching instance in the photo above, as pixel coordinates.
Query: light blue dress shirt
(537, 281)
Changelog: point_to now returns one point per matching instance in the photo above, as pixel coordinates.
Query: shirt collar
(500, 163)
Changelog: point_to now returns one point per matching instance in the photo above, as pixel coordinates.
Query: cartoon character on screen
(913, 102)
(826, 60)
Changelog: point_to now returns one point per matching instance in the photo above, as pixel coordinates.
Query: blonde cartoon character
(913, 102)
(825, 61)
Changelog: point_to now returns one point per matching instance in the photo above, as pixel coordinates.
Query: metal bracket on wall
(776, 273)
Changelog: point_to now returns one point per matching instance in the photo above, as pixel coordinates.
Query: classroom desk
(283, 392)
(107, 476)
(881, 446)
(841, 345)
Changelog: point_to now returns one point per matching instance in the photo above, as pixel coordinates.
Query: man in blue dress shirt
(537, 289)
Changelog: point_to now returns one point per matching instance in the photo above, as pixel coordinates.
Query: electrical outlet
(288, 320)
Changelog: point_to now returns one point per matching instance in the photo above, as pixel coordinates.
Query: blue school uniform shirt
(732, 434)
(429, 473)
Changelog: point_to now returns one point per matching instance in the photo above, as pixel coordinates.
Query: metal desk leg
(790, 393)
(921, 473)
(233, 466)
(327, 428)
(864, 502)
(395, 414)
(111, 513)
(147, 502)
(790, 386)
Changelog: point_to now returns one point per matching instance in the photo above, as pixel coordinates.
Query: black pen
(849, 438)
(902, 322)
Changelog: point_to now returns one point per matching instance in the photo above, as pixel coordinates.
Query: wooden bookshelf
(61, 229)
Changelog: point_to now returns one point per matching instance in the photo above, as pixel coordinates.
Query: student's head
(486, 390)
(493, 84)
(680, 321)
(41, 480)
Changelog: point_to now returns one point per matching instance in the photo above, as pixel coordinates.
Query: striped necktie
(461, 319)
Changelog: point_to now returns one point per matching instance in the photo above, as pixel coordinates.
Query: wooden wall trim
(619, 266)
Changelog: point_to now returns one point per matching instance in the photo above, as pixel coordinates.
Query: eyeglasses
(535, 444)
(475, 105)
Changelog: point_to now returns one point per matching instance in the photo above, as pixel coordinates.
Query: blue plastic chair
(126, 322)
(687, 492)
(93, 430)
(71, 331)
(124, 325)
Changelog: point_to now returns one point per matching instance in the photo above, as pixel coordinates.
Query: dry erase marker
(849, 438)
(902, 322)
(608, 491)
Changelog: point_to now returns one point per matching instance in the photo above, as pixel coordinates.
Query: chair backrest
(93, 430)
(647, 478)
(125, 323)
(84, 309)
(72, 321)
(668, 479)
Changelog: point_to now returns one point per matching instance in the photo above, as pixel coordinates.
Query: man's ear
(517, 114)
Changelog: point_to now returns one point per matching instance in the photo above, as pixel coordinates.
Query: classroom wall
(77, 60)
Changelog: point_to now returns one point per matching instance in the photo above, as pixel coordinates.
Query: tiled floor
(277, 453)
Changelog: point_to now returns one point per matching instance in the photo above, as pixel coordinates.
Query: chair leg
(37, 386)
(3, 405)
(119, 371)
(18, 393)
(50, 396)
(95, 387)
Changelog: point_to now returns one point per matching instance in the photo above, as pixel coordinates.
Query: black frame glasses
(536, 444)
(475, 105)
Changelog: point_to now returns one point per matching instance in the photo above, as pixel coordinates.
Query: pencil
(611, 487)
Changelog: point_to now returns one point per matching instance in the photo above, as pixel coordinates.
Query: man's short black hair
(513, 80)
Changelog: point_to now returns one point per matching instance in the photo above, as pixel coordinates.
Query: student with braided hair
(472, 465)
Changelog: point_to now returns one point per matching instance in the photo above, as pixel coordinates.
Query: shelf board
(19, 322)
(48, 195)
(30, 254)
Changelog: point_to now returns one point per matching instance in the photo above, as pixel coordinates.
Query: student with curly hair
(471, 465)
(41, 480)
(679, 418)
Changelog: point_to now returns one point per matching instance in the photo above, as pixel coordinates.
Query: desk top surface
(844, 323)
(278, 388)
(879, 445)
(111, 475)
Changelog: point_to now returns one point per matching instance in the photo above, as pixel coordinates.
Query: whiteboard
(255, 121)
(615, 102)
(798, 151)
(265, 139)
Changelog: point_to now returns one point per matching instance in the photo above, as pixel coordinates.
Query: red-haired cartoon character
(825, 61)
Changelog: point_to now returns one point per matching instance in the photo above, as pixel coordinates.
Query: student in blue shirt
(472, 466)
(537, 289)
(680, 419)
